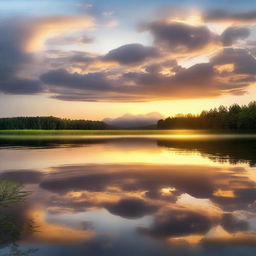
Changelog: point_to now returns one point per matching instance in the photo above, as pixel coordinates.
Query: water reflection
(140, 196)
(233, 150)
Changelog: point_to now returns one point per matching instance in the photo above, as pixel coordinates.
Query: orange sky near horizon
(43, 106)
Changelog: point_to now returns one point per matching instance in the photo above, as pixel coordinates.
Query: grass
(86, 132)
(79, 134)
(11, 192)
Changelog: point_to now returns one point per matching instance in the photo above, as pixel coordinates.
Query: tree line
(49, 123)
(233, 117)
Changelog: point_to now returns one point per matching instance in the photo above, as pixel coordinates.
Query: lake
(184, 193)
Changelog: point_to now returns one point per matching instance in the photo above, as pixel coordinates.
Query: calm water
(176, 195)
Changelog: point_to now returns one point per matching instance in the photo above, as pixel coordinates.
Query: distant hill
(135, 121)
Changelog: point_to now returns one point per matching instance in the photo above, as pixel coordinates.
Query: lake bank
(118, 132)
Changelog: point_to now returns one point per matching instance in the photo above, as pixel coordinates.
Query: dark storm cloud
(130, 54)
(131, 208)
(223, 15)
(232, 34)
(180, 37)
(175, 223)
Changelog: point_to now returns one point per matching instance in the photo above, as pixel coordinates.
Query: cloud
(40, 29)
(149, 74)
(180, 37)
(239, 239)
(129, 73)
(198, 81)
(67, 40)
(182, 179)
(133, 191)
(131, 208)
(244, 63)
(232, 224)
(14, 59)
(175, 223)
(21, 86)
(129, 120)
(232, 34)
(98, 177)
(223, 15)
(79, 61)
(248, 195)
(21, 37)
(122, 189)
(130, 54)
(11, 42)
(91, 81)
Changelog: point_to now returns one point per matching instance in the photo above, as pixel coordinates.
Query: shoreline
(92, 133)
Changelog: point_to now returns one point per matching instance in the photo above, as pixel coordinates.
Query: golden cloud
(44, 28)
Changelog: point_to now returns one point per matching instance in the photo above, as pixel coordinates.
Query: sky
(102, 59)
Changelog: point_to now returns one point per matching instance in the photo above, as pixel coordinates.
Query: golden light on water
(48, 233)
(182, 188)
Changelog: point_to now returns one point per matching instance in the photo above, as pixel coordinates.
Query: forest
(234, 117)
(49, 123)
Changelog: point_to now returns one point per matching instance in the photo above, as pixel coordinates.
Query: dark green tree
(235, 117)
